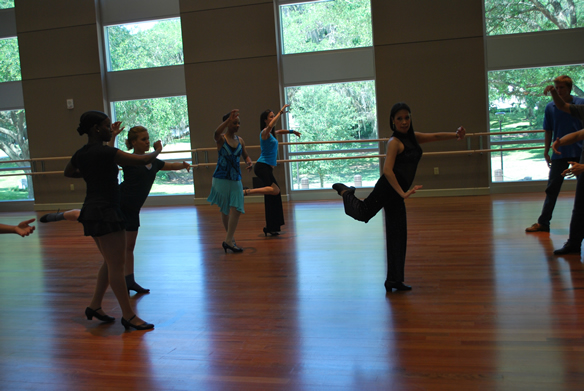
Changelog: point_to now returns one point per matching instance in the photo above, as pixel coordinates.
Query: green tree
(522, 89)
(145, 45)
(330, 25)
(14, 140)
(9, 60)
(6, 4)
(165, 118)
(340, 111)
(522, 16)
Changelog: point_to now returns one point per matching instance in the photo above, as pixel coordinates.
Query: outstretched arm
(131, 159)
(23, 228)
(558, 101)
(394, 148)
(175, 166)
(266, 132)
(284, 131)
(429, 137)
(568, 139)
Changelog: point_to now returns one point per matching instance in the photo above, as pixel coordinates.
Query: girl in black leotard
(401, 161)
(101, 215)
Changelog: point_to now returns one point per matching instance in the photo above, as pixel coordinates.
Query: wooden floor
(491, 307)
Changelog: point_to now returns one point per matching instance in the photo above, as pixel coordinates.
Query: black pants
(553, 188)
(272, 203)
(396, 229)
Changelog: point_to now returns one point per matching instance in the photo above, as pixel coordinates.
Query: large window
(14, 146)
(524, 16)
(9, 60)
(166, 119)
(340, 111)
(325, 25)
(145, 45)
(517, 104)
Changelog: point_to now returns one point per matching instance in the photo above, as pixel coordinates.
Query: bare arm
(430, 137)
(221, 128)
(394, 148)
(558, 101)
(175, 166)
(131, 159)
(245, 156)
(23, 229)
(568, 139)
(284, 131)
(266, 132)
(115, 131)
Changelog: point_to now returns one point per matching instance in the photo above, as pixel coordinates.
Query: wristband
(291, 131)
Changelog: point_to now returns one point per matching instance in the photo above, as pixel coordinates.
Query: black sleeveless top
(406, 163)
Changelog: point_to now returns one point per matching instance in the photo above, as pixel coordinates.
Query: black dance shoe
(340, 187)
(233, 248)
(568, 248)
(144, 326)
(104, 318)
(400, 286)
(137, 288)
(272, 233)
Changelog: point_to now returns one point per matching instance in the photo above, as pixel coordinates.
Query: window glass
(14, 146)
(518, 104)
(520, 16)
(9, 60)
(6, 4)
(166, 119)
(145, 45)
(326, 25)
(340, 111)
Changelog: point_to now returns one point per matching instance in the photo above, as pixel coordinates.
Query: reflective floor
(491, 307)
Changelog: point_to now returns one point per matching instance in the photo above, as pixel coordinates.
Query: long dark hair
(410, 134)
(263, 117)
(88, 119)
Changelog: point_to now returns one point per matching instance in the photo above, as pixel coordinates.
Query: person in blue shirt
(557, 124)
(264, 170)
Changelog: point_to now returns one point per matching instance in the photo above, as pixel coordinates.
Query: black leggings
(396, 229)
(272, 203)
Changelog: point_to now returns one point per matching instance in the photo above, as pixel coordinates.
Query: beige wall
(429, 53)
(230, 63)
(60, 60)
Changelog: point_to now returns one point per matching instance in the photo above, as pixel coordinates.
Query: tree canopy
(145, 45)
(524, 16)
(329, 25)
(9, 60)
(6, 4)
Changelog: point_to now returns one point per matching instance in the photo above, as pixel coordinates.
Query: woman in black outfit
(101, 215)
(401, 161)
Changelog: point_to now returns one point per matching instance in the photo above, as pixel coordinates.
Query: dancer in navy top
(401, 162)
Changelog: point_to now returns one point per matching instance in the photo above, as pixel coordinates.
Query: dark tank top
(406, 163)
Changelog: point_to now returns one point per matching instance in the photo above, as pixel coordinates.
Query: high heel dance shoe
(90, 313)
(144, 326)
(233, 248)
(132, 285)
(272, 233)
(400, 286)
(340, 187)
